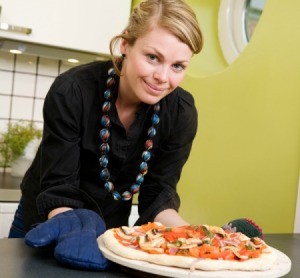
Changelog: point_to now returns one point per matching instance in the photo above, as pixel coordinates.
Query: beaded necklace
(104, 147)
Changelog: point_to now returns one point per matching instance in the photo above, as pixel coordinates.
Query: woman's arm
(158, 193)
(170, 218)
(60, 147)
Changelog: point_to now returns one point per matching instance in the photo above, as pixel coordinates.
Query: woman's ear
(123, 47)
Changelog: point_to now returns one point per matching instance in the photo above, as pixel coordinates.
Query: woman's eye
(178, 67)
(151, 57)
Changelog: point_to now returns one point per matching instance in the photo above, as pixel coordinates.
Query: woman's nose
(161, 74)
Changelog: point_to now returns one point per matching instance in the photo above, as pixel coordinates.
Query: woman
(112, 132)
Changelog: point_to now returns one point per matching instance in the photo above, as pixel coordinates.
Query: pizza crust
(264, 262)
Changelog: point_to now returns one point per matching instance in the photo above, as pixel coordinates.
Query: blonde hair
(173, 15)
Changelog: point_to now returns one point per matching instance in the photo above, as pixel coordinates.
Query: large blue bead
(104, 174)
(139, 179)
(104, 134)
(144, 168)
(134, 188)
(155, 119)
(126, 196)
(116, 195)
(107, 94)
(146, 155)
(105, 121)
(151, 132)
(109, 186)
(103, 161)
(111, 72)
(104, 148)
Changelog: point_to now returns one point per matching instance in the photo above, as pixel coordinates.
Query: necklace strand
(105, 148)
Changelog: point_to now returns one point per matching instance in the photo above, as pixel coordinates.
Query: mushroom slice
(127, 230)
(152, 245)
(242, 257)
(256, 242)
(193, 241)
(122, 234)
(153, 233)
(216, 230)
(243, 237)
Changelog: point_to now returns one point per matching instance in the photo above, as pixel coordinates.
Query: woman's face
(154, 66)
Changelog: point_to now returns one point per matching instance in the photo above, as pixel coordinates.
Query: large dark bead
(104, 174)
(116, 195)
(104, 134)
(110, 82)
(103, 161)
(104, 148)
(105, 121)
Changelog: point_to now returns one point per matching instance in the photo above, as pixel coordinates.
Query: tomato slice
(149, 226)
(227, 255)
(173, 237)
(194, 252)
(209, 251)
(251, 253)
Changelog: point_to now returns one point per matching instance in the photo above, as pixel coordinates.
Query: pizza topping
(202, 241)
(153, 233)
(152, 245)
(212, 230)
(121, 233)
(127, 230)
(197, 241)
(242, 237)
(257, 241)
(207, 240)
(183, 243)
(207, 232)
(235, 251)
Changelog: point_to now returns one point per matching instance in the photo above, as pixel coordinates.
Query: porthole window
(236, 24)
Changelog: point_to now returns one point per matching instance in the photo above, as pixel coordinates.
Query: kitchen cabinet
(80, 25)
(7, 212)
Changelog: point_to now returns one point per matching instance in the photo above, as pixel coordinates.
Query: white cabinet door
(7, 213)
(81, 25)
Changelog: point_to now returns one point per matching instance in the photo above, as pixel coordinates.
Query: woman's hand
(57, 211)
(170, 218)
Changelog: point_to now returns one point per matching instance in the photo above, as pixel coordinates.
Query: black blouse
(65, 171)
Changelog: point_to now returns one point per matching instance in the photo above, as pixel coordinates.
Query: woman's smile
(153, 89)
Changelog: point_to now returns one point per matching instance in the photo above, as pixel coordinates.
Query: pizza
(200, 247)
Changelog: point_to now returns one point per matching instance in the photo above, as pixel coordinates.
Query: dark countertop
(290, 245)
(18, 260)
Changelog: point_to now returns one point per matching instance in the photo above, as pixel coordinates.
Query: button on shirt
(65, 171)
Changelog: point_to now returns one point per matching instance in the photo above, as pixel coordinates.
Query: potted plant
(13, 143)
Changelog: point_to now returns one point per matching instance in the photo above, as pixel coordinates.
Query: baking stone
(281, 267)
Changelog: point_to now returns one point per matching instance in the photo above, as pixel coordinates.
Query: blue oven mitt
(74, 234)
(245, 226)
